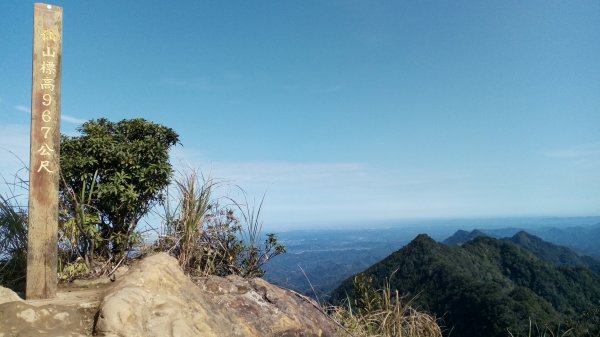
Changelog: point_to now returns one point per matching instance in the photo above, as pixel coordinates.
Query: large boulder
(155, 298)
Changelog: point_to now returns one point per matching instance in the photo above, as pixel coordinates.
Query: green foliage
(485, 286)
(78, 231)
(208, 239)
(73, 270)
(382, 313)
(113, 174)
(586, 324)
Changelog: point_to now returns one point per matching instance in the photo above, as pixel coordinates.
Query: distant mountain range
(462, 236)
(582, 239)
(483, 286)
(549, 252)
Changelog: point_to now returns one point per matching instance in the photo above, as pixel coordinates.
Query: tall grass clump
(382, 313)
(183, 226)
(13, 236)
(209, 239)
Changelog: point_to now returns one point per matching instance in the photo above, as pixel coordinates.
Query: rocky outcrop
(155, 299)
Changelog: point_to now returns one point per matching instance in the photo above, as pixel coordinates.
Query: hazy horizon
(465, 223)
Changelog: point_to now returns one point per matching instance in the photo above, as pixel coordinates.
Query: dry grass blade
(382, 313)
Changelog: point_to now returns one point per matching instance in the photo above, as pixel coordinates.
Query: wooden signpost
(44, 153)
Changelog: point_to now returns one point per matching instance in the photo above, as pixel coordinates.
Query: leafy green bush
(72, 270)
(112, 175)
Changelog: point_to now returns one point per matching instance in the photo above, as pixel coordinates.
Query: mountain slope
(485, 286)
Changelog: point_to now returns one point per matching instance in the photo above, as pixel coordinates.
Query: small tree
(121, 169)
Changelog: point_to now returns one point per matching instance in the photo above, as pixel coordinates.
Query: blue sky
(342, 111)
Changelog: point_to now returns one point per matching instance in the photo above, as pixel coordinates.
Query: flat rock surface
(76, 297)
(20, 319)
(69, 314)
(155, 299)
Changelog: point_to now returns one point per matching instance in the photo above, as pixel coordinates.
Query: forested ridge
(487, 287)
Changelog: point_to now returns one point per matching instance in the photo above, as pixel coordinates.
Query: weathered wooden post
(44, 152)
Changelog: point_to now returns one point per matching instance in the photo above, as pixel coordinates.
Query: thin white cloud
(277, 172)
(71, 119)
(265, 173)
(310, 191)
(23, 108)
(577, 151)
